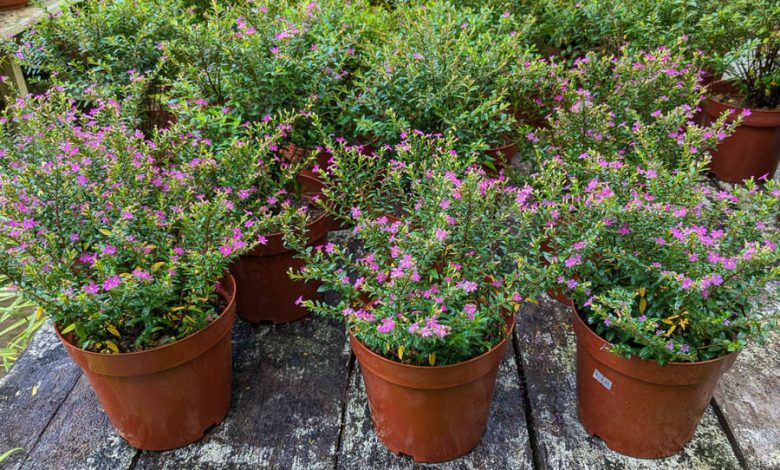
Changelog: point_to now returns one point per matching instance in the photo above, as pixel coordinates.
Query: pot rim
(501, 147)
(647, 370)
(230, 294)
(510, 328)
(757, 118)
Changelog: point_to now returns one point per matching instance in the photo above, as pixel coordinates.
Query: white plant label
(602, 380)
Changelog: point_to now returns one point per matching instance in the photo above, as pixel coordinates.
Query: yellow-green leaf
(642, 291)
(158, 265)
(68, 329)
(105, 232)
(112, 346)
(38, 313)
(642, 305)
(401, 350)
(112, 329)
(432, 358)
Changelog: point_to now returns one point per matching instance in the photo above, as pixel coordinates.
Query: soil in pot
(433, 414)
(638, 407)
(265, 292)
(754, 148)
(166, 397)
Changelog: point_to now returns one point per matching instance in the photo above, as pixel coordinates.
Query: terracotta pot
(13, 4)
(754, 148)
(502, 156)
(433, 414)
(166, 397)
(636, 406)
(265, 292)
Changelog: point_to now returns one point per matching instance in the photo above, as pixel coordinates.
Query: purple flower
(468, 286)
(356, 212)
(111, 282)
(670, 346)
(141, 274)
(441, 234)
(386, 326)
(226, 249)
(573, 261)
(91, 288)
(109, 250)
(470, 310)
(684, 349)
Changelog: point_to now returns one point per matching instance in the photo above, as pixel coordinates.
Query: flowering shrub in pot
(752, 90)
(429, 302)
(262, 181)
(627, 109)
(103, 46)
(266, 57)
(662, 270)
(444, 69)
(121, 242)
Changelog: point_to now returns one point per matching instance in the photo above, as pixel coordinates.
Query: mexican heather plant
(273, 56)
(436, 286)
(444, 70)
(119, 239)
(660, 264)
(104, 44)
(637, 108)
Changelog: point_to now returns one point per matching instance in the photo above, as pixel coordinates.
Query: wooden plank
(288, 385)
(13, 22)
(749, 398)
(505, 443)
(81, 437)
(32, 392)
(547, 347)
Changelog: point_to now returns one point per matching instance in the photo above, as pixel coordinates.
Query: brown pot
(433, 414)
(502, 156)
(165, 397)
(13, 4)
(754, 148)
(638, 407)
(265, 292)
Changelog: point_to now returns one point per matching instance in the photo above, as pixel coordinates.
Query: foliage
(19, 320)
(444, 69)
(635, 107)
(661, 265)
(117, 238)
(266, 57)
(104, 43)
(434, 287)
(754, 58)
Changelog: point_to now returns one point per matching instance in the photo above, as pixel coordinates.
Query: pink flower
(573, 261)
(109, 250)
(470, 310)
(299, 300)
(111, 282)
(386, 326)
(91, 288)
(441, 234)
(356, 212)
(141, 274)
(226, 249)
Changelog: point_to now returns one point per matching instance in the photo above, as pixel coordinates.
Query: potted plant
(272, 187)
(119, 242)
(443, 70)
(662, 270)
(753, 91)
(100, 48)
(267, 57)
(429, 304)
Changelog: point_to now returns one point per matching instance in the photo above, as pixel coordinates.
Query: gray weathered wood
(80, 437)
(749, 398)
(31, 393)
(547, 347)
(288, 385)
(505, 443)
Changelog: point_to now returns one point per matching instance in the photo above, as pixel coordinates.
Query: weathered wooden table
(298, 402)
(13, 22)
